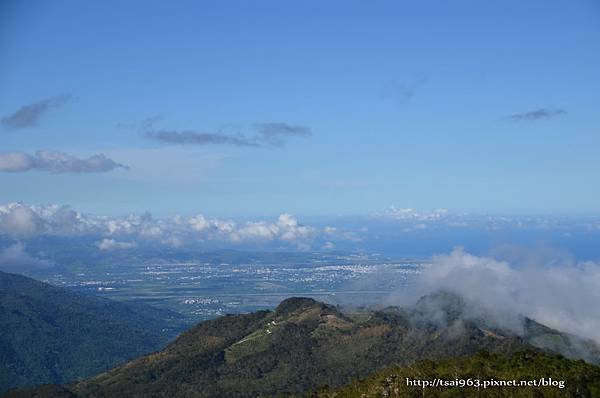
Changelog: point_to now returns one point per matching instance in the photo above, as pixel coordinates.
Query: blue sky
(465, 105)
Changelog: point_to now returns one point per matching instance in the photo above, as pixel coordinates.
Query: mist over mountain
(304, 345)
(545, 285)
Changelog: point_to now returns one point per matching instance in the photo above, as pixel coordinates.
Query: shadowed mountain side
(53, 335)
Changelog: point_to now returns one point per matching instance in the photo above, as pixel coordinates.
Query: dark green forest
(53, 335)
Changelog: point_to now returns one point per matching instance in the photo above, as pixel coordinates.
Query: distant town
(203, 289)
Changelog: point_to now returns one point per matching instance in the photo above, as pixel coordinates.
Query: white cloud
(14, 161)
(111, 244)
(290, 229)
(563, 295)
(17, 219)
(199, 223)
(412, 220)
(255, 231)
(408, 214)
(330, 230)
(14, 258)
(286, 228)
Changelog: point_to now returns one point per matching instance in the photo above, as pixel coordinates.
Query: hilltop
(304, 345)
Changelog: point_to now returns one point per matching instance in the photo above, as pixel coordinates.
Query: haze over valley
(327, 199)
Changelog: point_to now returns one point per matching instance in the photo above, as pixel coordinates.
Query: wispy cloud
(56, 162)
(272, 134)
(189, 137)
(402, 92)
(275, 133)
(537, 114)
(30, 115)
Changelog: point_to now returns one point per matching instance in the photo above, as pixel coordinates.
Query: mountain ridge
(54, 335)
(304, 345)
(301, 346)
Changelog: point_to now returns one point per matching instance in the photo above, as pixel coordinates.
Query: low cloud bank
(14, 258)
(111, 244)
(414, 220)
(21, 221)
(560, 294)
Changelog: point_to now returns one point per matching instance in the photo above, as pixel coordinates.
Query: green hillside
(580, 379)
(304, 345)
(53, 335)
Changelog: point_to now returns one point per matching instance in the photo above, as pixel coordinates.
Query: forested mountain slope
(53, 335)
